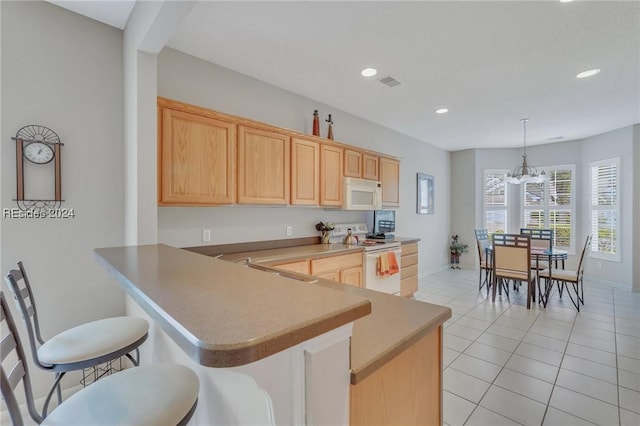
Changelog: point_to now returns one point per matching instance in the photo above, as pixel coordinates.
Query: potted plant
(456, 248)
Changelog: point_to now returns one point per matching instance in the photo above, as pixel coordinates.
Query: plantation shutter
(560, 206)
(605, 209)
(495, 201)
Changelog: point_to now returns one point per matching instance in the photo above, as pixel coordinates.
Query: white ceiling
(490, 63)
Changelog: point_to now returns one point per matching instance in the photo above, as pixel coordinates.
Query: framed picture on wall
(425, 196)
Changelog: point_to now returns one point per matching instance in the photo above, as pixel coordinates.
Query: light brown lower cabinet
(352, 276)
(346, 268)
(409, 271)
(407, 390)
(301, 266)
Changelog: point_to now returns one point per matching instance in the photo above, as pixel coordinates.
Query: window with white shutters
(551, 205)
(605, 210)
(496, 204)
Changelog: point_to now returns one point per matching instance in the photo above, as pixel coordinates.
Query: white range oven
(387, 284)
(373, 249)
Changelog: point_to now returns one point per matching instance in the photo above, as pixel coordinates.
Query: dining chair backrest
(482, 240)
(540, 238)
(511, 255)
(580, 269)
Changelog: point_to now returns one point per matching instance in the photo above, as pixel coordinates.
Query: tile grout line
(501, 368)
(507, 312)
(482, 303)
(615, 345)
(586, 375)
(546, 409)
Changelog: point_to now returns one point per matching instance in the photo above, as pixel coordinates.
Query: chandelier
(525, 173)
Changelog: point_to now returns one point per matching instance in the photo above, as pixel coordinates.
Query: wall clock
(40, 146)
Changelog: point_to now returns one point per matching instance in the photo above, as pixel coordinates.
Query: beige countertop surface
(395, 322)
(185, 290)
(222, 314)
(291, 254)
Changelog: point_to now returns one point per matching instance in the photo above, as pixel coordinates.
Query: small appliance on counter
(350, 239)
(384, 222)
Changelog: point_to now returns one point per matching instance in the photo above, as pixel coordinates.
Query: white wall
(188, 79)
(65, 72)
(463, 211)
(636, 208)
(617, 143)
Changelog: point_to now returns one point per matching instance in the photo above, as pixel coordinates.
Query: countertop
(222, 314)
(291, 254)
(394, 324)
(178, 288)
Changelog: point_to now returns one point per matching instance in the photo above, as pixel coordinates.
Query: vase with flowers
(325, 228)
(456, 248)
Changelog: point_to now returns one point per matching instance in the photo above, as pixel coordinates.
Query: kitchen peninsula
(230, 316)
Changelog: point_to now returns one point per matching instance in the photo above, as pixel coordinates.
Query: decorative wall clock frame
(34, 142)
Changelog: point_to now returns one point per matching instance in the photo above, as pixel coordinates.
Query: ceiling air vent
(389, 81)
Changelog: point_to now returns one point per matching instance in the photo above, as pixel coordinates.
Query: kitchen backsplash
(184, 226)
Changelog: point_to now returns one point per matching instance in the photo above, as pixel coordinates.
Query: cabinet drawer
(301, 266)
(331, 276)
(409, 271)
(335, 263)
(409, 249)
(409, 260)
(408, 286)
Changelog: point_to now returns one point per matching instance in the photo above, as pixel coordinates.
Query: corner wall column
(150, 26)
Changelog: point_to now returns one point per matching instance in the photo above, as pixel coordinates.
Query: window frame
(594, 252)
(547, 209)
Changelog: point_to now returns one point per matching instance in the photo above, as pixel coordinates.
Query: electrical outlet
(206, 235)
(289, 230)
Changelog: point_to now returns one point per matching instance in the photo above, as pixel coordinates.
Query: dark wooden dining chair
(482, 242)
(512, 261)
(542, 240)
(571, 280)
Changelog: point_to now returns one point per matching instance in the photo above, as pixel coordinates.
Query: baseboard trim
(609, 283)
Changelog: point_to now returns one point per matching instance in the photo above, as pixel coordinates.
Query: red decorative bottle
(316, 123)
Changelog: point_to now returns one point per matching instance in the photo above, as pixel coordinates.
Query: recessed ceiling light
(588, 73)
(369, 72)
(442, 111)
(566, 1)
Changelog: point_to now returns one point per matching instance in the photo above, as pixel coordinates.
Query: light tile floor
(506, 365)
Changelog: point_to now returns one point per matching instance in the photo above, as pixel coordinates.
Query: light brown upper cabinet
(331, 158)
(209, 158)
(196, 159)
(352, 163)
(390, 178)
(263, 166)
(305, 172)
(370, 167)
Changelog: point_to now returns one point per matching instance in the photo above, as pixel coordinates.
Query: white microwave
(362, 194)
